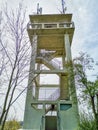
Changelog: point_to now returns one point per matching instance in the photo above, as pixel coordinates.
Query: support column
(28, 114)
(64, 92)
(63, 62)
(37, 83)
(43, 124)
(69, 118)
(67, 48)
(71, 81)
(68, 59)
(64, 87)
(58, 117)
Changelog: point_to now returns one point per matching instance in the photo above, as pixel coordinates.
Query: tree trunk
(97, 113)
(94, 111)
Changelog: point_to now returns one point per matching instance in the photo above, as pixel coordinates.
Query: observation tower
(51, 106)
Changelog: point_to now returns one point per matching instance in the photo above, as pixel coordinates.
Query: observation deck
(50, 30)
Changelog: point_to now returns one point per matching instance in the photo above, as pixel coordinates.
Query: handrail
(50, 25)
(55, 95)
(52, 97)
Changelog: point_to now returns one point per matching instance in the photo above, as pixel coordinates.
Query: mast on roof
(64, 8)
(39, 9)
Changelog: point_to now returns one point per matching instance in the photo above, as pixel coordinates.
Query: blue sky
(85, 17)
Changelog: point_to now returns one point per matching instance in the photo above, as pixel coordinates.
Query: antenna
(39, 9)
(63, 6)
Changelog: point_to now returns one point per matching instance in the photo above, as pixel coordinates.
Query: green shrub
(87, 123)
(12, 125)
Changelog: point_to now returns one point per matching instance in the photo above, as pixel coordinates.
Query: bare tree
(15, 56)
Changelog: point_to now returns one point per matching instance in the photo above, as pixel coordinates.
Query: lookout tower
(51, 38)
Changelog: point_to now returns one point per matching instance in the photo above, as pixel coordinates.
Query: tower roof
(51, 18)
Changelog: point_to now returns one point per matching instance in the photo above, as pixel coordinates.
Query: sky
(85, 17)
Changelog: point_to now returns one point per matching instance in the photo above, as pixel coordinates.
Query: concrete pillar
(71, 81)
(29, 98)
(43, 123)
(68, 59)
(64, 90)
(37, 83)
(63, 62)
(67, 48)
(58, 117)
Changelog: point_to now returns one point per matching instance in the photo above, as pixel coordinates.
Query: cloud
(86, 32)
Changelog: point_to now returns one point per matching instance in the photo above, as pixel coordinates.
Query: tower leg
(64, 92)
(71, 118)
(67, 48)
(37, 83)
(28, 114)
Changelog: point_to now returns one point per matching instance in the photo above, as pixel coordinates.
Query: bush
(87, 123)
(12, 125)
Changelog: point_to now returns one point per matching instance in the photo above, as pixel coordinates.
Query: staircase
(47, 58)
(53, 97)
(49, 61)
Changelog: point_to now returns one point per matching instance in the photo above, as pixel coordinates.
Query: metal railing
(50, 25)
(55, 95)
(52, 97)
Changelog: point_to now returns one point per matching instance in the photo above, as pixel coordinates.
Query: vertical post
(70, 69)
(37, 83)
(43, 118)
(63, 62)
(71, 82)
(65, 80)
(67, 48)
(63, 7)
(58, 117)
(68, 59)
(64, 92)
(28, 109)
